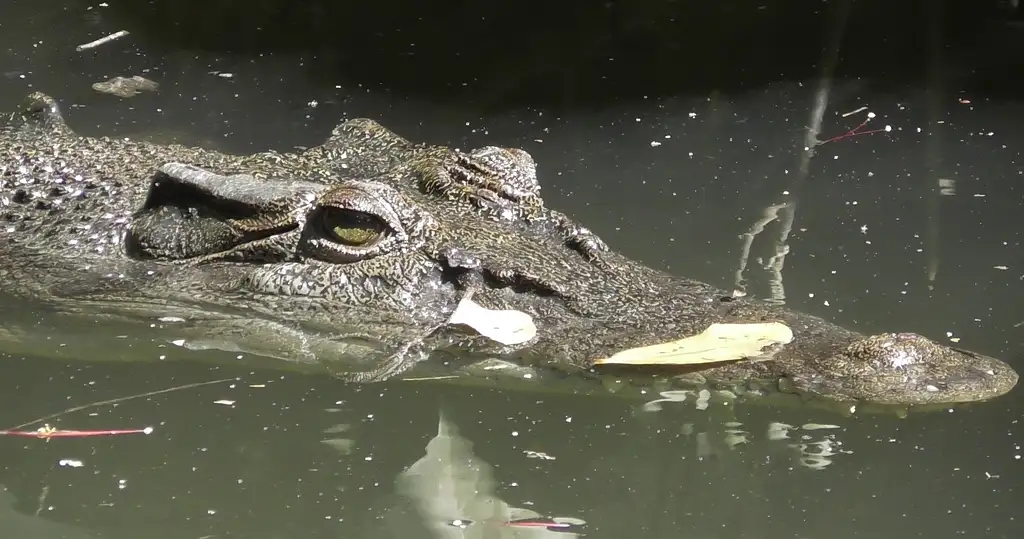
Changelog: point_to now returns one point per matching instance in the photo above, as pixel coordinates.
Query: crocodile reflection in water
(371, 238)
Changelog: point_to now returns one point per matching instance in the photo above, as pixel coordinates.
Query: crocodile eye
(353, 222)
(353, 228)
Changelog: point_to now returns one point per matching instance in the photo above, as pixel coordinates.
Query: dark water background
(726, 88)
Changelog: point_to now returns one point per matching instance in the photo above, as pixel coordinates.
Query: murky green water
(242, 447)
(276, 454)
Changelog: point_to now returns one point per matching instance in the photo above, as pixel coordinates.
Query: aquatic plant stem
(119, 399)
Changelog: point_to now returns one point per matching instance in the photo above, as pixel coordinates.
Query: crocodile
(356, 253)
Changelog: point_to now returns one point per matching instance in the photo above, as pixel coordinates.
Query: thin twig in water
(102, 41)
(442, 377)
(120, 399)
(852, 112)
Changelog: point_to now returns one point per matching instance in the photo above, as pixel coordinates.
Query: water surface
(671, 180)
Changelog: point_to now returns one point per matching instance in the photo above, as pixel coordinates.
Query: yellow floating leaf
(717, 343)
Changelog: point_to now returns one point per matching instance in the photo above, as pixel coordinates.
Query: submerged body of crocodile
(369, 242)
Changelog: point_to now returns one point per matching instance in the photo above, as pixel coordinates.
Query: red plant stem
(853, 133)
(71, 433)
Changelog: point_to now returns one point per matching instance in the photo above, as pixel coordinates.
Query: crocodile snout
(988, 379)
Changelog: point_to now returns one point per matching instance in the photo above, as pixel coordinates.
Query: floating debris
(852, 112)
(125, 87)
(537, 455)
(719, 342)
(505, 327)
(819, 426)
(102, 41)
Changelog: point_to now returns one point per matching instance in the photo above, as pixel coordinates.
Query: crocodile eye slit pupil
(352, 236)
(352, 228)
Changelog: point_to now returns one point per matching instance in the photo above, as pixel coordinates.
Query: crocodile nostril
(986, 372)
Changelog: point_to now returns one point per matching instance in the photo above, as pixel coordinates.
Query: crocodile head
(372, 237)
(903, 368)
